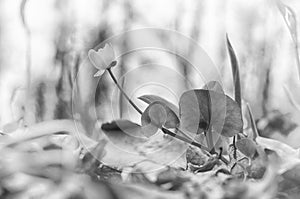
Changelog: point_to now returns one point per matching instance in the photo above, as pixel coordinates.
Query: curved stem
(123, 92)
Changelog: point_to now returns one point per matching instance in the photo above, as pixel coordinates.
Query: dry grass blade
(236, 80)
(235, 73)
(253, 125)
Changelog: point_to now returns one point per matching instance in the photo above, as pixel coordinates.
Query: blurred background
(44, 44)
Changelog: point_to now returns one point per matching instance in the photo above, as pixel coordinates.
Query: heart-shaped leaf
(201, 110)
(214, 86)
(156, 115)
(246, 146)
(154, 98)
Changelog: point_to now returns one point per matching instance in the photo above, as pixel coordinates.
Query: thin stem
(209, 140)
(166, 131)
(121, 99)
(188, 140)
(220, 153)
(234, 147)
(183, 133)
(123, 92)
(185, 139)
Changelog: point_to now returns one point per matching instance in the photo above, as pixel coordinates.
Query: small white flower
(102, 59)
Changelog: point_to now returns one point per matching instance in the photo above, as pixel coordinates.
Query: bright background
(43, 53)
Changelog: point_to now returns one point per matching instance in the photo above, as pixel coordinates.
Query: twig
(234, 148)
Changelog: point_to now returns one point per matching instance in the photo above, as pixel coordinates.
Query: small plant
(207, 111)
(198, 148)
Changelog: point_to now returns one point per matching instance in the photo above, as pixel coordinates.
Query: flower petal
(111, 52)
(96, 59)
(107, 55)
(99, 73)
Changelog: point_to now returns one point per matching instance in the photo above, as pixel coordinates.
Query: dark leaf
(201, 110)
(118, 125)
(246, 146)
(194, 111)
(157, 115)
